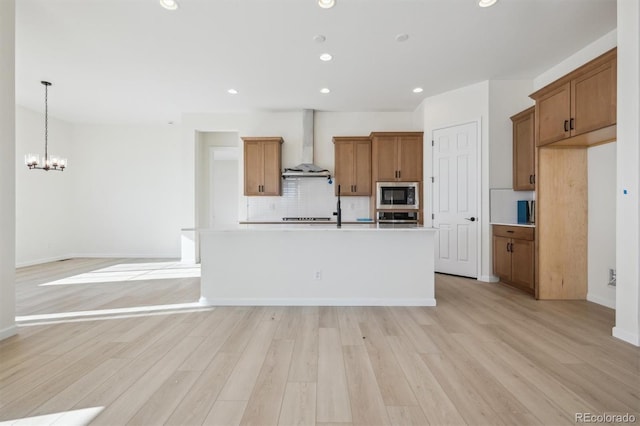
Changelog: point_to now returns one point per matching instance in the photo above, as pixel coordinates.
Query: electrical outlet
(317, 275)
(612, 277)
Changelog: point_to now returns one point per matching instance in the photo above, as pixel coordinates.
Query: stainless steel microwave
(398, 195)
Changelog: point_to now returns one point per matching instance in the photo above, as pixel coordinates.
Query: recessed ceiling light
(417, 90)
(319, 38)
(232, 91)
(486, 3)
(169, 4)
(402, 37)
(326, 4)
(326, 57)
(325, 90)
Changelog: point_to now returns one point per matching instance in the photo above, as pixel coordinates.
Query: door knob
(472, 219)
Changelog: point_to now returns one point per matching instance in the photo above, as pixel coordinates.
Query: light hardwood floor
(486, 354)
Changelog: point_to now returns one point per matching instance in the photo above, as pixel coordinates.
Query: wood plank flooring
(486, 355)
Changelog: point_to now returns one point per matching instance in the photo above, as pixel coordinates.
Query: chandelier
(46, 163)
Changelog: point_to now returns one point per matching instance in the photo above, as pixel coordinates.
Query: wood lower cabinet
(514, 256)
(353, 165)
(579, 108)
(397, 156)
(524, 150)
(262, 164)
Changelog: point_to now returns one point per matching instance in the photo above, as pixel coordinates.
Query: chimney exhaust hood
(306, 168)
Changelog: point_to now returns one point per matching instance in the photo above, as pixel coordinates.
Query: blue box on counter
(523, 211)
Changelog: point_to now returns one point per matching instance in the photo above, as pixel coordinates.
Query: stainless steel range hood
(306, 168)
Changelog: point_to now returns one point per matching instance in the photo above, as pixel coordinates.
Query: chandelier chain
(46, 124)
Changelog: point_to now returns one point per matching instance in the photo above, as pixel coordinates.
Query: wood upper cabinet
(580, 103)
(524, 147)
(552, 113)
(397, 156)
(353, 165)
(262, 164)
(514, 256)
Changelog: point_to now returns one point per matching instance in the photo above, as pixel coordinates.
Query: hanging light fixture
(47, 163)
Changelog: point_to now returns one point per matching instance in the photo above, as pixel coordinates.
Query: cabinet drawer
(517, 232)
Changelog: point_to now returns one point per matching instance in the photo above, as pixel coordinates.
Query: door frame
(479, 195)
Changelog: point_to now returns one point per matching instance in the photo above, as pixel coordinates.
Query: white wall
(602, 224)
(467, 104)
(628, 174)
(506, 98)
(7, 172)
(581, 57)
(127, 190)
(207, 141)
(601, 172)
(45, 207)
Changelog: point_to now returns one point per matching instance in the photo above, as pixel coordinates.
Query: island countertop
(319, 227)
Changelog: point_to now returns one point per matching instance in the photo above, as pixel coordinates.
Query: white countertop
(320, 227)
(524, 225)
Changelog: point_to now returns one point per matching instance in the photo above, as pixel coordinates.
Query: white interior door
(455, 199)
(224, 186)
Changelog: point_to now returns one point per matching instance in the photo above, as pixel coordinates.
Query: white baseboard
(41, 261)
(8, 332)
(601, 301)
(488, 279)
(628, 337)
(99, 256)
(127, 255)
(316, 302)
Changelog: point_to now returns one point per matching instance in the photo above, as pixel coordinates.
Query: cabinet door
(344, 159)
(502, 258)
(362, 168)
(593, 99)
(253, 168)
(522, 263)
(410, 159)
(271, 167)
(524, 153)
(552, 115)
(387, 162)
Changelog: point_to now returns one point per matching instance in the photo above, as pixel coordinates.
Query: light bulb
(326, 4)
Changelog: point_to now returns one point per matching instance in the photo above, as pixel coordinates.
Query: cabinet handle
(355, 188)
(566, 125)
(530, 178)
(399, 174)
(511, 247)
(571, 126)
(534, 179)
(508, 247)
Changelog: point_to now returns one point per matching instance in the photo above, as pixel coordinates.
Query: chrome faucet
(339, 210)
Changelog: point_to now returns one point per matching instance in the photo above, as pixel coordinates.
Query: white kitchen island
(356, 265)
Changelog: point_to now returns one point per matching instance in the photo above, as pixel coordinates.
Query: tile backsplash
(305, 197)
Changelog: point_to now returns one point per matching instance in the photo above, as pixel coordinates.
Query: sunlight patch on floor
(117, 313)
(83, 416)
(132, 272)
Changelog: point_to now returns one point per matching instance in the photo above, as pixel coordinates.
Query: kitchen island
(321, 265)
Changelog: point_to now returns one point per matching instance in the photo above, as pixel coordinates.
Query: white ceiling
(131, 61)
